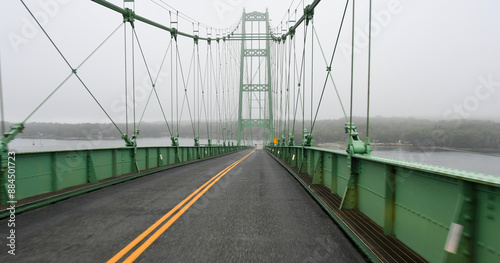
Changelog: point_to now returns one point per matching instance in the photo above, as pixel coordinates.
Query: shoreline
(492, 152)
(335, 145)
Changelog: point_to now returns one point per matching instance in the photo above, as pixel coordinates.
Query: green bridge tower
(255, 99)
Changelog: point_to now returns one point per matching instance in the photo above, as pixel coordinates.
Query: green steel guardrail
(417, 203)
(38, 173)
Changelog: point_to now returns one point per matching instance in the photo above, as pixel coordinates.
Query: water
(470, 161)
(464, 160)
(36, 145)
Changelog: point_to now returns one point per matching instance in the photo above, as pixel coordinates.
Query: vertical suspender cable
(133, 75)
(304, 77)
(312, 72)
(177, 84)
(352, 70)
(195, 88)
(133, 67)
(303, 74)
(369, 65)
(177, 75)
(1, 99)
(209, 89)
(288, 85)
(126, 79)
(171, 75)
(295, 92)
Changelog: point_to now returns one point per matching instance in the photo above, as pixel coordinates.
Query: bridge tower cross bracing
(255, 86)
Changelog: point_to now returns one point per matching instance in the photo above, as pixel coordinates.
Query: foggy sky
(430, 59)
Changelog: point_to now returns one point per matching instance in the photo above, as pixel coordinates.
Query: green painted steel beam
(390, 199)
(256, 87)
(318, 168)
(427, 207)
(126, 12)
(292, 29)
(240, 39)
(4, 159)
(255, 123)
(255, 52)
(255, 16)
(265, 117)
(44, 172)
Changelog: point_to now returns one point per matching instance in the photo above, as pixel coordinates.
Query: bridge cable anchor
(129, 16)
(173, 33)
(308, 14)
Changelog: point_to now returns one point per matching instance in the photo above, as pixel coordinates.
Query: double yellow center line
(197, 194)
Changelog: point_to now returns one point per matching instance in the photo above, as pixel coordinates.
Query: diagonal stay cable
(206, 80)
(163, 61)
(151, 92)
(184, 81)
(185, 88)
(72, 69)
(202, 88)
(329, 74)
(152, 82)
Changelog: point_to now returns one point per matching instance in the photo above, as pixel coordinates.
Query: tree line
(469, 134)
(466, 134)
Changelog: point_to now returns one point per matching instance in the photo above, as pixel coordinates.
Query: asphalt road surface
(255, 212)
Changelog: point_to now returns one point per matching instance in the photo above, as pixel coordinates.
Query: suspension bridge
(221, 198)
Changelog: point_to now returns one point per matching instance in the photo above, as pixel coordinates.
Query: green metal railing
(44, 172)
(417, 203)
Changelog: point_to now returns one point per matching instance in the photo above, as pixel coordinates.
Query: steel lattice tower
(255, 98)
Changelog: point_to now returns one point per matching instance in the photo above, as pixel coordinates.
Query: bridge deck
(386, 248)
(256, 212)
